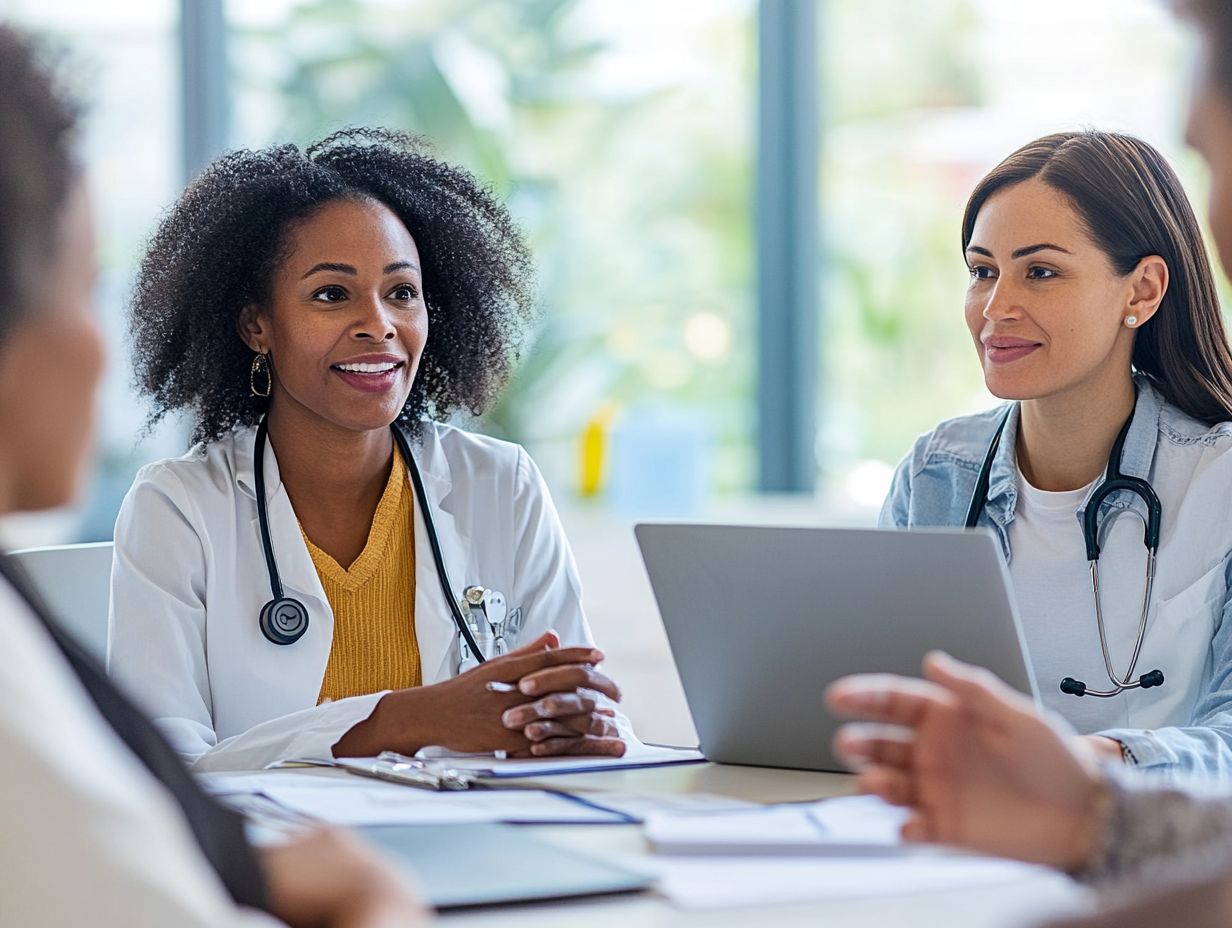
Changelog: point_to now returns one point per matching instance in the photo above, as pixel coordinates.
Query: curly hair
(218, 249)
(38, 118)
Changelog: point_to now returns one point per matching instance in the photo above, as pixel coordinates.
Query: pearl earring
(1131, 321)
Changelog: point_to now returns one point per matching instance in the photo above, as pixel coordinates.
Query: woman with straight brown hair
(1093, 311)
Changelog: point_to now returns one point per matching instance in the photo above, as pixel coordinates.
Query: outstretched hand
(974, 761)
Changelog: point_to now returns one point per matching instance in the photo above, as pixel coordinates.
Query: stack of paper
(855, 848)
(636, 756)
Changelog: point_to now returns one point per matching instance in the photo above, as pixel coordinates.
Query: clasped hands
(551, 703)
(557, 704)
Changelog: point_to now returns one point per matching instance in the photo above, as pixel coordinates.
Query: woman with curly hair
(283, 590)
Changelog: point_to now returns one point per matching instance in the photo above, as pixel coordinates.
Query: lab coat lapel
(298, 573)
(434, 626)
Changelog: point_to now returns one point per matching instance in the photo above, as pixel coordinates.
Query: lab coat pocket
(486, 641)
(1178, 642)
(513, 624)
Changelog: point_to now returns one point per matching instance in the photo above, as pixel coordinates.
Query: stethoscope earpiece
(1154, 678)
(284, 621)
(1073, 687)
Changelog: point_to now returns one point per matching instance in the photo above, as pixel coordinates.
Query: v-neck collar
(384, 522)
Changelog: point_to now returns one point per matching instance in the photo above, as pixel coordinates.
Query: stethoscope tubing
(425, 507)
(434, 542)
(1114, 480)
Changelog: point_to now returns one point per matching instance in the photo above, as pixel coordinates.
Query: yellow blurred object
(593, 450)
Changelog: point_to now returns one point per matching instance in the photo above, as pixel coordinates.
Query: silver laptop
(761, 620)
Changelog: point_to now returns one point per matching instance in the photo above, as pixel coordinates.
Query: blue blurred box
(660, 463)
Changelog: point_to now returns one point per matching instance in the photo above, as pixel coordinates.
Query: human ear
(1149, 283)
(253, 328)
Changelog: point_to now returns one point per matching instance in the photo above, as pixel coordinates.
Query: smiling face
(1045, 307)
(346, 322)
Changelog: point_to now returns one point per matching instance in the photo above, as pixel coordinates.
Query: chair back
(75, 583)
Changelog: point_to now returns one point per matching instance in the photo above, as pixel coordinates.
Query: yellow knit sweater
(373, 600)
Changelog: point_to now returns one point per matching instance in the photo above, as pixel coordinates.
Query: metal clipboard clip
(409, 771)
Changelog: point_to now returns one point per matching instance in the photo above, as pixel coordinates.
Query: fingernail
(507, 719)
(596, 656)
(527, 686)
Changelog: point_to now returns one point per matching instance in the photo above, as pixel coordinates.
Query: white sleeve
(547, 573)
(157, 632)
(90, 838)
(156, 622)
(311, 732)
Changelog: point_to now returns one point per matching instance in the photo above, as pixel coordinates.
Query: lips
(1004, 349)
(370, 373)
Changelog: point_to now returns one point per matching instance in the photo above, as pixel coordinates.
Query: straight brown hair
(1133, 205)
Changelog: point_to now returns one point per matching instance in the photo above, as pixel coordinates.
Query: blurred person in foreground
(102, 823)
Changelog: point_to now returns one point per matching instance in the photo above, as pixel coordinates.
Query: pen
(496, 686)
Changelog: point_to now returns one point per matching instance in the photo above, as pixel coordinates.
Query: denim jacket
(1184, 726)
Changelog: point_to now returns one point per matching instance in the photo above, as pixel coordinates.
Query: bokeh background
(627, 138)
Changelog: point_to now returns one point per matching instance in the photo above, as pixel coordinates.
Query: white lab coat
(189, 580)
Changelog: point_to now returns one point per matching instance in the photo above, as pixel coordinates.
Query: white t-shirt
(1052, 585)
(90, 838)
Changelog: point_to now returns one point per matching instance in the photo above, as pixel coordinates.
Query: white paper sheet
(643, 806)
(717, 884)
(842, 826)
(333, 797)
(353, 800)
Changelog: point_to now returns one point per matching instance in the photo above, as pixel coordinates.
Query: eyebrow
(399, 266)
(1022, 252)
(331, 266)
(350, 268)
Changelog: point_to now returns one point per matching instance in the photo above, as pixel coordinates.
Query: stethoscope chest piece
(284, 620)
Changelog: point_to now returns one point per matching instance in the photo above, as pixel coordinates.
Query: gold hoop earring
(260, 366)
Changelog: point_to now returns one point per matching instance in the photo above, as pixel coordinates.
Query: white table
(1002, 906)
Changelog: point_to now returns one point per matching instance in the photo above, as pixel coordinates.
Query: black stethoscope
(284, 619)
(1113, 481)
